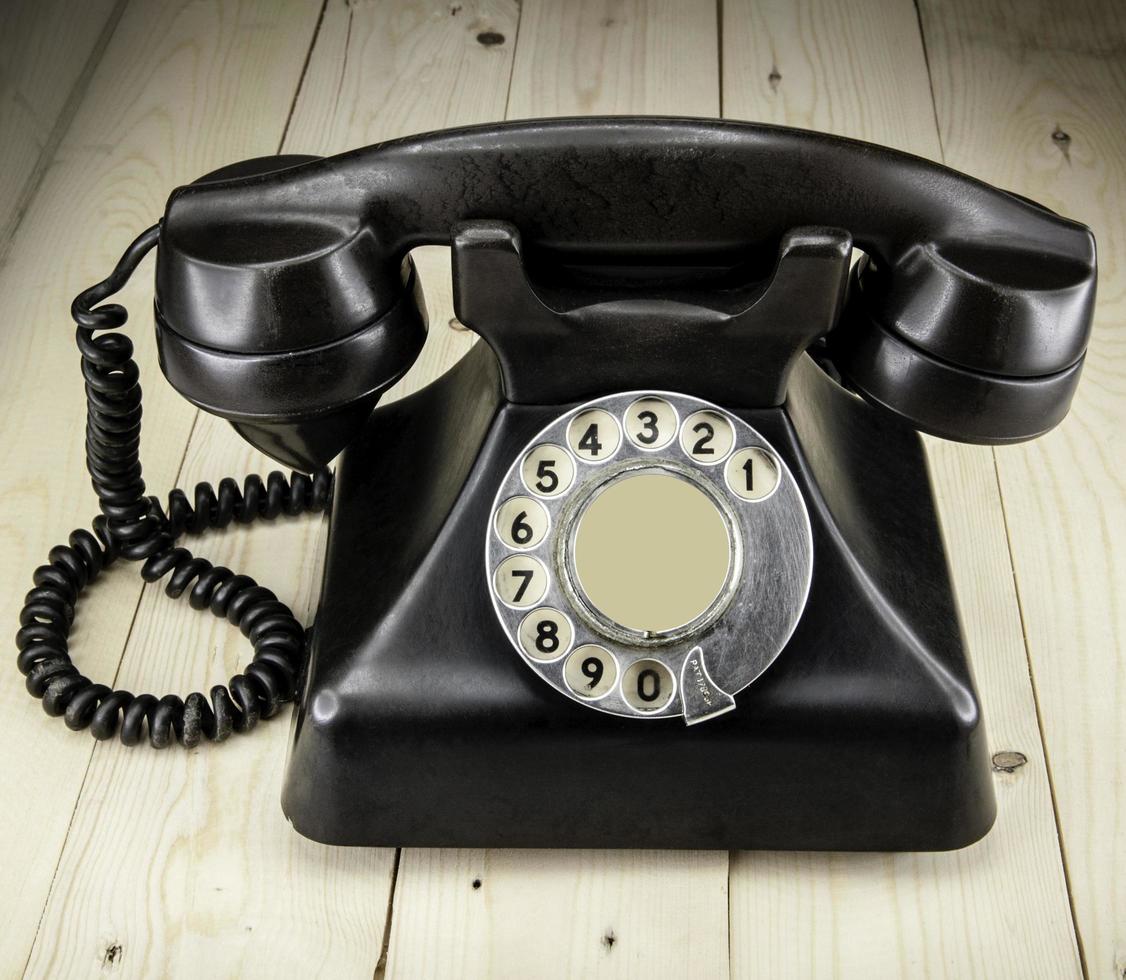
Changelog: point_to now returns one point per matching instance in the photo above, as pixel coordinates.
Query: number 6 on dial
(521, 522)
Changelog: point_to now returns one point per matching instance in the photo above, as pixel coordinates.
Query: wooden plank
(181, 89)
(544, 914)
(1033, 98)
(47, 49)
(583, 913)
(998, 908)
(249, 894)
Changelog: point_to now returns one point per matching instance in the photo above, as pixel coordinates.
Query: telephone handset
(636, 500)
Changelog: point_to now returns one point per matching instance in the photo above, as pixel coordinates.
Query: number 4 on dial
(594, 435)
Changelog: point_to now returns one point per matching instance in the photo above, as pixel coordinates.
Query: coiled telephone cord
(134, 526)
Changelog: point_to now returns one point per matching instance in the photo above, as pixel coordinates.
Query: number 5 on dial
(547, 470)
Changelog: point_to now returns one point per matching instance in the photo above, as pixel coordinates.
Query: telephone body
(657, 563)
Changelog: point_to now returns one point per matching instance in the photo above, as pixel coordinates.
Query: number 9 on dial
(591, 671)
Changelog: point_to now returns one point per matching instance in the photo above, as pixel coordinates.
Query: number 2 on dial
(702, 446)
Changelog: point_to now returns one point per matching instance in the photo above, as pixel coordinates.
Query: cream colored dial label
(647, 685)
(650, 423)
(591, 671)
(546, 634)
(752, 474)
(521, 522)
(520, 580)
(548, 470)
(594, 435)
(706, 437)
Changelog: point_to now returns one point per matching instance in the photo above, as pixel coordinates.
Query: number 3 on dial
(650, 423)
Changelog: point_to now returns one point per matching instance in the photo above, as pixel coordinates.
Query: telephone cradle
(657, 563)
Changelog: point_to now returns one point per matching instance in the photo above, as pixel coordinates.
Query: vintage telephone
(636, 571)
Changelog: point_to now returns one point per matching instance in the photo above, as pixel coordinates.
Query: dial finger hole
(647, 685)
(522, 522)
(546, 634)
(752, 474)
(591, 671)
(706, 437)
(520, 580)
(594, 435)
(650, 423)
(548, 470)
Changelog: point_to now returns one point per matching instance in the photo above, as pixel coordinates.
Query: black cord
(134, 526)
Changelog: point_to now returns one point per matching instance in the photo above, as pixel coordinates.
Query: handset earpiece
(287, 322)
(970, 341)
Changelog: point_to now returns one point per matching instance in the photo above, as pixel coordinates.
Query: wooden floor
(145, 864)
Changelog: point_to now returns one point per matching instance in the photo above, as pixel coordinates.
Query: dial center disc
(652, 551)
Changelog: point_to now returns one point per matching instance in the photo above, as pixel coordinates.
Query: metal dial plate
(690, 669)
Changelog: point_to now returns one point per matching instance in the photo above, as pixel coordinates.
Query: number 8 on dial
(546, 634)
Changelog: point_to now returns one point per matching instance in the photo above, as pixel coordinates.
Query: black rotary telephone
(656, 563)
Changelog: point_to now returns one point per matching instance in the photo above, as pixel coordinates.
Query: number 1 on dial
(752, 474)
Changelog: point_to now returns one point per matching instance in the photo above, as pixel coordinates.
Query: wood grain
(250, 895)
(610, 57)
(180, 90)
(546, 914)
(582, 913)
(1033, 98)
(47, 48)
(1000, 907)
